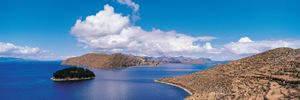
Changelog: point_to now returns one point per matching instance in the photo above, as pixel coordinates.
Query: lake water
(31, 81)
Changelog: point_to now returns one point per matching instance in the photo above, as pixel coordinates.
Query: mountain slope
(270, 75)
(117, 60)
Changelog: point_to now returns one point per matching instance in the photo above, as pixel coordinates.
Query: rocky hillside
(273, 75)
(117, 60)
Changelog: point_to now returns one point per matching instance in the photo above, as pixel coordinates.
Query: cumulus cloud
(11, 50)
(245, 40)
(104, 23)
(108, 31)
(246, 46)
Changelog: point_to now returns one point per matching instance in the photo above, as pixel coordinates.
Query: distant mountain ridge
(119, 60)
(12, 59)
(271, 75)
(181, 59)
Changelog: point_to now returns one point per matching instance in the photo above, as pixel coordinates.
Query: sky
(216, 29)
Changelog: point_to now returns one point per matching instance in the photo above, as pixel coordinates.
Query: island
(271, 75)
(73, 74)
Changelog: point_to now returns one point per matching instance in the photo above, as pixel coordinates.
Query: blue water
(31, 81)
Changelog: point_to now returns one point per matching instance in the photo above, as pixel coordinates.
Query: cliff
(274, 74)
(117, 60)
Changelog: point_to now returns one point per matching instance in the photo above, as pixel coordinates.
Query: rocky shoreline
(70, 79)
(175, 85)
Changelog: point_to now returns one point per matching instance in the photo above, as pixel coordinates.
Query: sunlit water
(31, 81)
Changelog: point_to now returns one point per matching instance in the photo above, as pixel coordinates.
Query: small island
(73, 74)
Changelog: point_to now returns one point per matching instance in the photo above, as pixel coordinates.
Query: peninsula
(108, 61)
(119, 60)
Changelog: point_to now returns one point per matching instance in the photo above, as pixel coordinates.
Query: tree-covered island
(73, 74)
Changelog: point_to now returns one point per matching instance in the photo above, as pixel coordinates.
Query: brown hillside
(274, 74)
(117, 60)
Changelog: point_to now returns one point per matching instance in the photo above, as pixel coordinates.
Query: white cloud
(208, 46)
(131, 4)
(134, 6)
(246, 46)
(11, 50)
(245, 40)
(104, 23)
(108, 31)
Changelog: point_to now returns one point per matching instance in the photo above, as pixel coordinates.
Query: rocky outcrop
(117, 60)
(273, 75)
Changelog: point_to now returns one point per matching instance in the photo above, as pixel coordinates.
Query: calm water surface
(31, 81)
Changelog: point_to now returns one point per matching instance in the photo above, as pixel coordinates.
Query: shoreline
(178, 86)
(70, 79)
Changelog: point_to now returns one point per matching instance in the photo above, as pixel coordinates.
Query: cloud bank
(11, 50)
(108, 31)
(246, 46)
(111, 32)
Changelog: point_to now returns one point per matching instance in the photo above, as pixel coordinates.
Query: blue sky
(47, 24)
